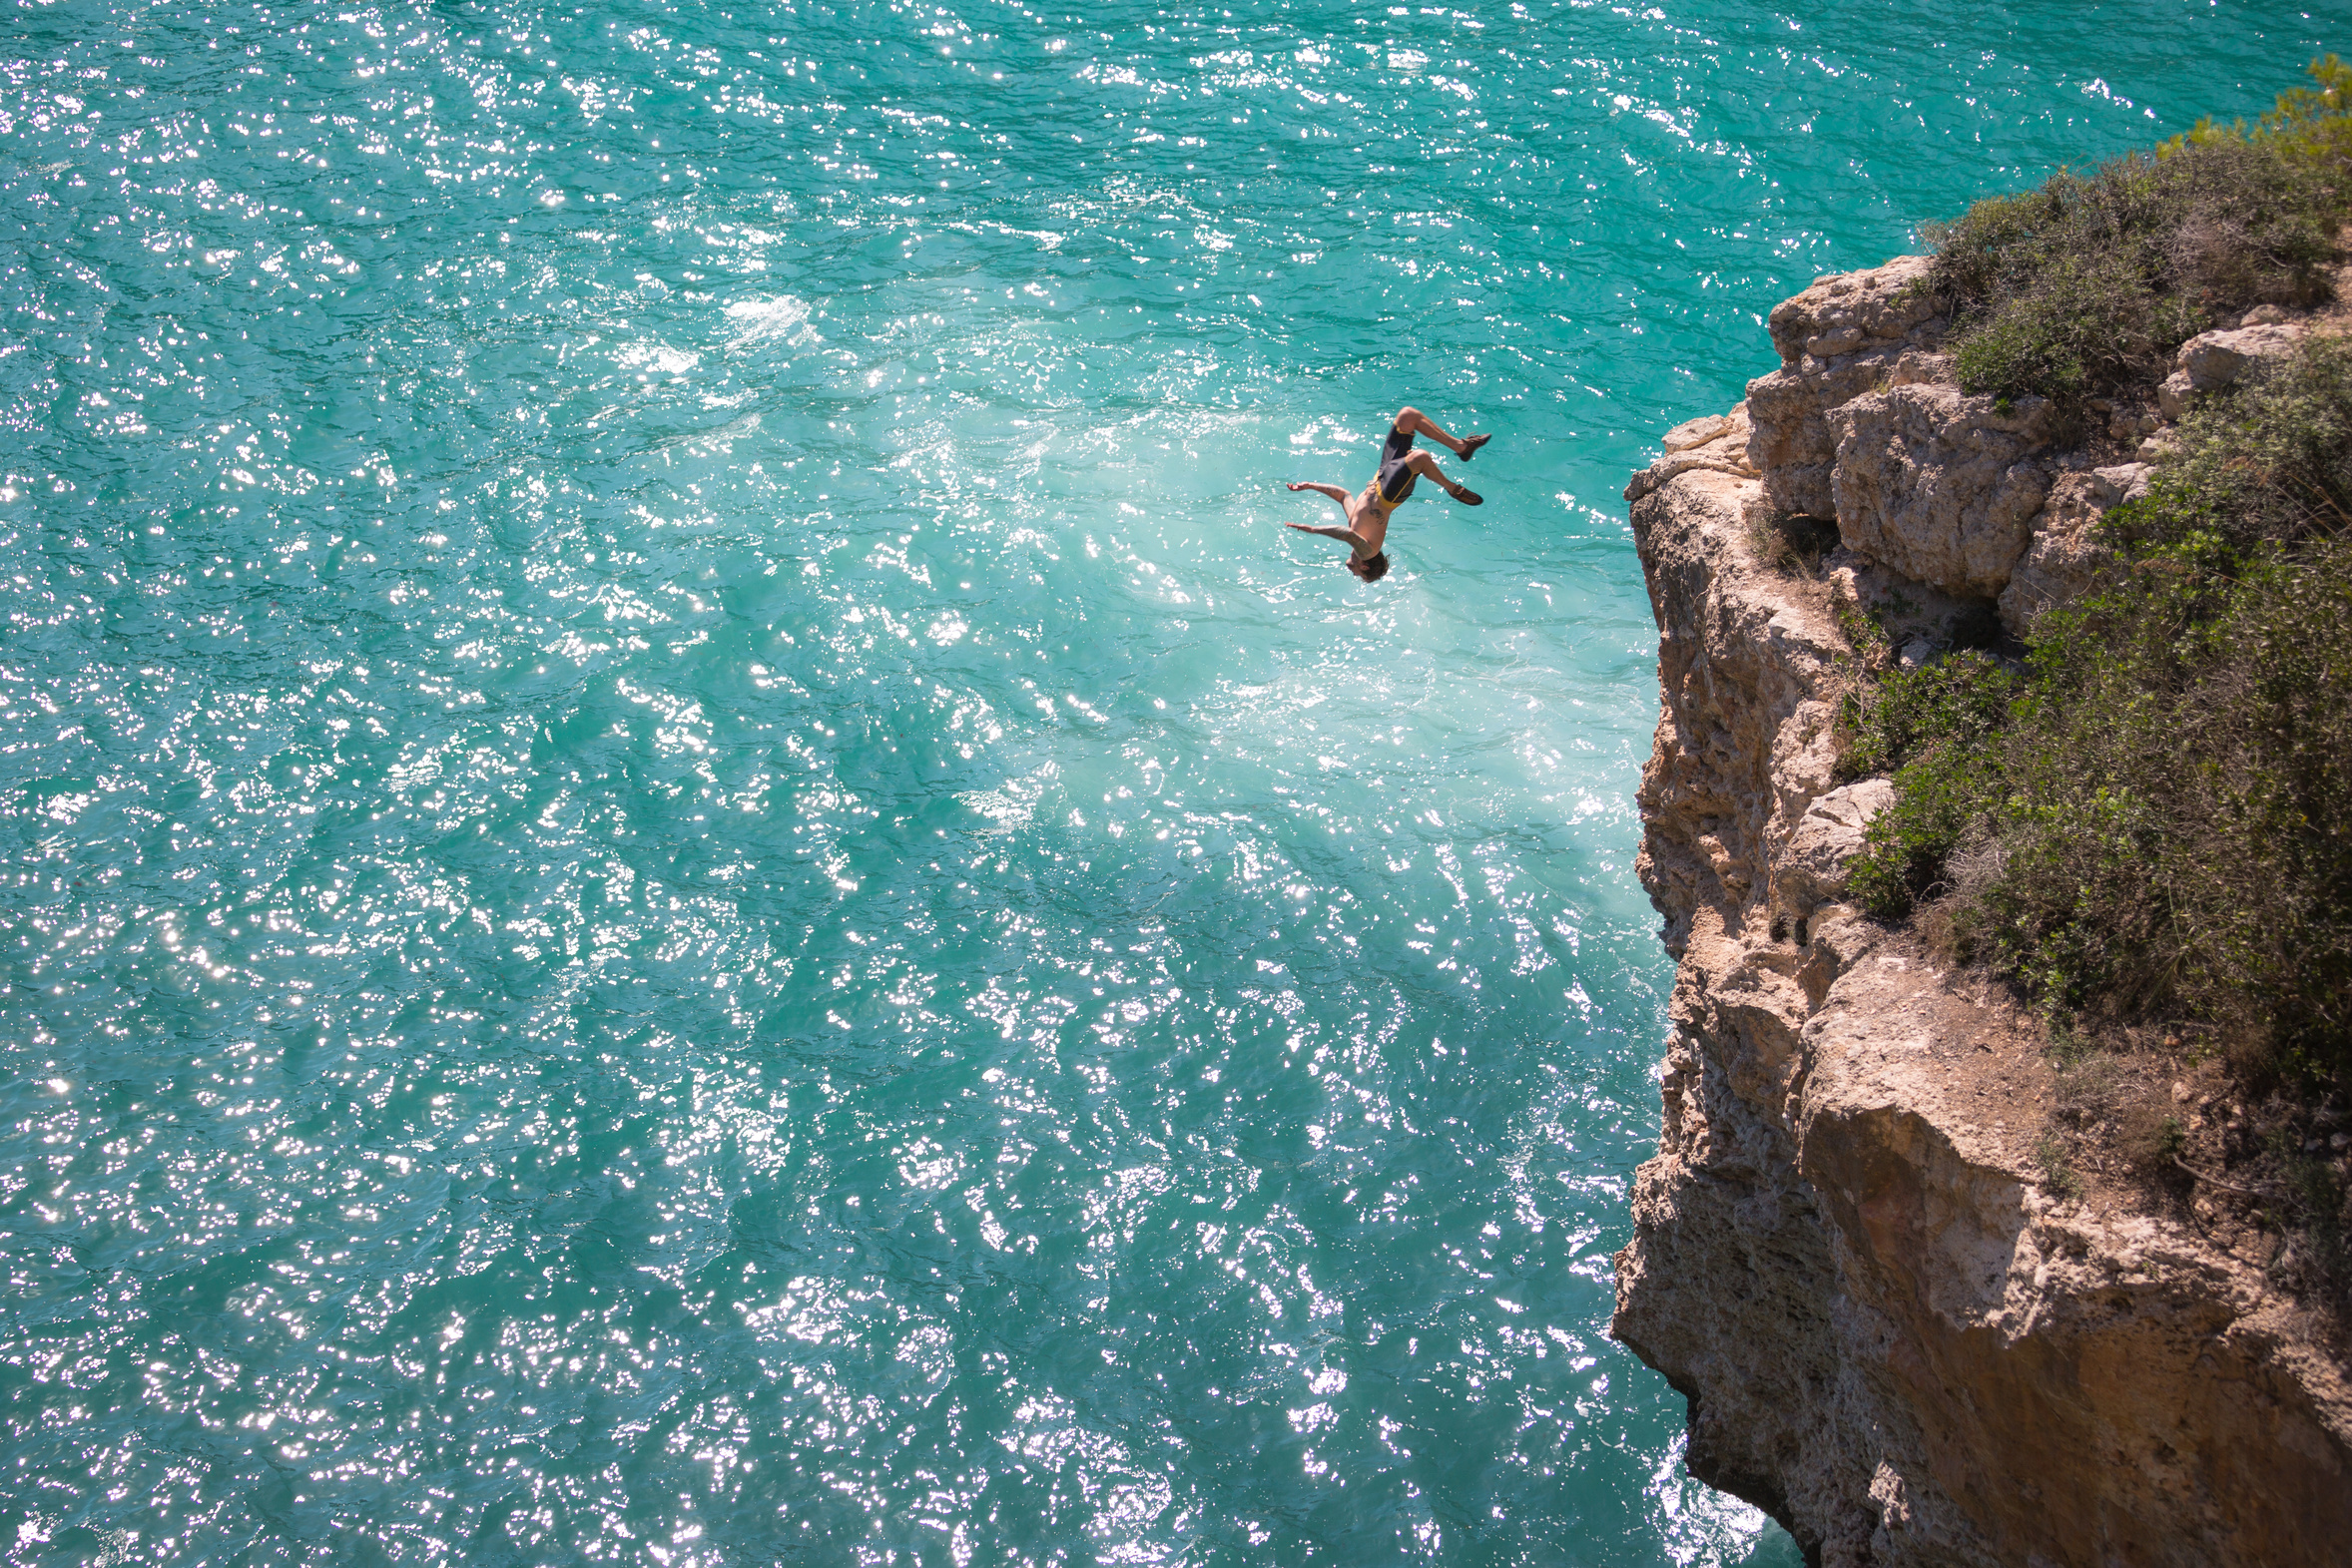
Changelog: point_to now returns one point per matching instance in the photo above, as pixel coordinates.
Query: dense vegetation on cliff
(2153, 816)
(2089, 284)
(2145, 820)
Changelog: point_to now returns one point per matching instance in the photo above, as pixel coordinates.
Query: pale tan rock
(1747, 743)
(1848, 334)
(1890, 1337)
(1793, 448)
(2173, 395)
(1717, 443)
(2066, 556)
(1939, 485)
(2212, 361)
(1846, 311)
(2128, 480)
(1916, 367)
(1696, 433)
(1811, 870)
(1905, 608)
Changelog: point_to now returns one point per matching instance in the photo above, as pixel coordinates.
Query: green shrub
(2152, 819)
(2174, 808)
(2315, 1210)
(1930, 727)
(2091, 283)
(2083, 326)
(1940, 805)
(2057, 1176)
(1961, 698)
(2314, 120)
(2273, 468)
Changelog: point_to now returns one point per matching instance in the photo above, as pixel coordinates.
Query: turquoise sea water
(691, 878)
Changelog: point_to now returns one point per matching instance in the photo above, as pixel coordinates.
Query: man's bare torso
(1368, 519)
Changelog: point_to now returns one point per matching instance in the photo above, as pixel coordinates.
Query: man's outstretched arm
(1347, 536)
(1330, 490)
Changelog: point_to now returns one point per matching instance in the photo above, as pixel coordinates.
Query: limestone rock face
(1812, 870)
(1793, 445)
(1736, 761)
(1845, 335)
(1845, 313)
(2065, 557)
(1890, 1337)
(2212, 361)
(2216, 360)
(1696, 433)
(1716, 444)
(1938, 485)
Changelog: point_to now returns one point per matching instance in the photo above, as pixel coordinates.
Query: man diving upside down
(1401, 467)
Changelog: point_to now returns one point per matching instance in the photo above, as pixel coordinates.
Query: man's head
(1372, 569)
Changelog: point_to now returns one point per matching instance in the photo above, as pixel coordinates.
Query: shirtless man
(1401, 469)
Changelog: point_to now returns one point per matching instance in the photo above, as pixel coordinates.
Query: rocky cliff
(1890, 1336)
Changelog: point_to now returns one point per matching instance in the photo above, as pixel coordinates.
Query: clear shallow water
(692, 879)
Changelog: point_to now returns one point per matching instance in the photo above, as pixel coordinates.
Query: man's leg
(1413, 422)
(1423, 463)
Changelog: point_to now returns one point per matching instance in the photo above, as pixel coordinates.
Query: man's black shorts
(1395, 476)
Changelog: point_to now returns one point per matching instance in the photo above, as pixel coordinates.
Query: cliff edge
(1892, 1336)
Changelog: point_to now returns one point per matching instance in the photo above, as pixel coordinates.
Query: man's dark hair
(1376, 566)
